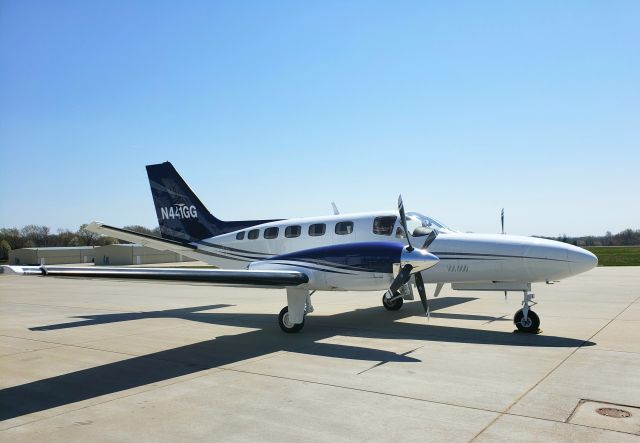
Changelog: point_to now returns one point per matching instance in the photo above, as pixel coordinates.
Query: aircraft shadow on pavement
(266, 338)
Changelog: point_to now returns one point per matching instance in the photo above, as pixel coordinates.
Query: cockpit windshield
(415, 220)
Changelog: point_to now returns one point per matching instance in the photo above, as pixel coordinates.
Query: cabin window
(253, 234)
(240, 235)
(384, 225)
(400, 232)
(293, 231)
(344, 228)
(317, 229)
(271, 233)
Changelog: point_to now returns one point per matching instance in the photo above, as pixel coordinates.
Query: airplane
(386, 250)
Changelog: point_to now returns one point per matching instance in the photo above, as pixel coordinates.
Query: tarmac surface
(96, 360)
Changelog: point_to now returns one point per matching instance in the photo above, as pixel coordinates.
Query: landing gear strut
(525, 319)
(392, 302)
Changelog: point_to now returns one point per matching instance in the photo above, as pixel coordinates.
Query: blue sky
(274, 109)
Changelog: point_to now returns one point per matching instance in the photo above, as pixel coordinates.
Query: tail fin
(181, 215)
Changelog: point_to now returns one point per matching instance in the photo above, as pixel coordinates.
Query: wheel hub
(526, 322)
(286, 321)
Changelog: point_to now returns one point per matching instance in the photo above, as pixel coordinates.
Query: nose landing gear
(525, 319)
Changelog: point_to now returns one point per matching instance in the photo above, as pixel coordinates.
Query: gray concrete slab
(118, 360)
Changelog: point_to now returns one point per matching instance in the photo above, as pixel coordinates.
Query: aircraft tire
(392, 306)
(285, 325)
(531, 326)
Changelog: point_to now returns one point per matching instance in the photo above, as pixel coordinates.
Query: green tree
(13, 237)
(5, 248)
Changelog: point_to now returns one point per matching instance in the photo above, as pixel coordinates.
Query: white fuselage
(464, 257)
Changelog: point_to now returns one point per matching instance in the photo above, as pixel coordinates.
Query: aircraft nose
(581, 260)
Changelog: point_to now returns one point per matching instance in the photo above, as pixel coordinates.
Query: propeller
(423, 293)
(414, 261)
(403, 222)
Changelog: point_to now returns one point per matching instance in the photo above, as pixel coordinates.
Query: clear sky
(273, 109)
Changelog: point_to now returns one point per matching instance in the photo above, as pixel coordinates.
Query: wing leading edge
(273, 279)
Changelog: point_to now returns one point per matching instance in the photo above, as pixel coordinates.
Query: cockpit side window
(384, 225)
(412, 223)
(428, 222)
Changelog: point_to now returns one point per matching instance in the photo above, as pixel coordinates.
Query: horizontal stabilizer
(142, 239)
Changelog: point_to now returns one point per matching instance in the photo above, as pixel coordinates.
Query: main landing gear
(525, 319)
(291, 317)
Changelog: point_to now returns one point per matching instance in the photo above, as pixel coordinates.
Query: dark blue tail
(181, 215)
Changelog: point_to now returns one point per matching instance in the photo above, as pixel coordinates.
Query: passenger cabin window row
(315, 230)
(381, 226)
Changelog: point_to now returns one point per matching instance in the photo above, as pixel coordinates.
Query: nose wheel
(525, 319)
(531, 324)
(393, 303)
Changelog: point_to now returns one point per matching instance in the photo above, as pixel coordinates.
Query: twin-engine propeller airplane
(387, 250)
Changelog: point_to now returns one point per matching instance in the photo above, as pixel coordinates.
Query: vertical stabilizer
(181, 215)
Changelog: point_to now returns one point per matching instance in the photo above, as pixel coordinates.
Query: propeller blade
(430, 238)
(422, 292)
(502, 220)
(403, 221)
(403, 276)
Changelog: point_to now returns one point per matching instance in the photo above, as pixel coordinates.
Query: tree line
(628, 237)
(38, 236)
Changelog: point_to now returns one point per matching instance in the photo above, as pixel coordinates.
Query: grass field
(616, 255)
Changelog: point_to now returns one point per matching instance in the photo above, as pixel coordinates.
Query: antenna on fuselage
(335, 208)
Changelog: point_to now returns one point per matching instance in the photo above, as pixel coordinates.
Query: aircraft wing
(246, 278)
